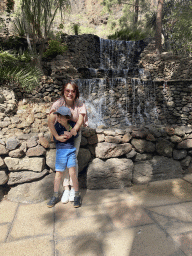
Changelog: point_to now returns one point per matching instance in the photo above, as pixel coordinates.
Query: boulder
(186, 144)
(3, 177)
(109, 174)
(142, 146)
(36, 151)
(17, 153)
(44, 142)
(33, 192)
(12, 143)
(50, 158)
(35, 164)
(142, 173)
(3, 150)
(84, 156)
(107, 150)
(32, 142)
(165, 168)
(25, 176)
(131, 154)
(2, 163)
(164, 148)
(179, 154)
(113, 139)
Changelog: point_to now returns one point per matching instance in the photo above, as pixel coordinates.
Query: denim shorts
(65, 158)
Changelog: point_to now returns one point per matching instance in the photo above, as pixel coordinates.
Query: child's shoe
(53, 201)
(77, 201)
(65, 197)
(71, 195)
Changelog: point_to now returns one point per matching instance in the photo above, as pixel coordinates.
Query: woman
(69, 98)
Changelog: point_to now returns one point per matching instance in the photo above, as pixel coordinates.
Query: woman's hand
(68, 134)
(62, 138)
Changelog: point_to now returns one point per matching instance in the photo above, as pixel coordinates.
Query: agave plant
(13, 69)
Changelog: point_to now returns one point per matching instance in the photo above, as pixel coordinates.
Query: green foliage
(39, 15)
(19, 26)
(55, 48)
(176, 25)
(129, 34)
(16, 68)
(76, 28)
(10, 5)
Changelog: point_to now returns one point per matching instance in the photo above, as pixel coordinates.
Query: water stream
(115, 95)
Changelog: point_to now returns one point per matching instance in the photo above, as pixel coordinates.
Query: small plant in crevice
(76, 28)
(54, 48)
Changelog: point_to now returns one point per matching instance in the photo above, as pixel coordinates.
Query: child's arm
(72, 131)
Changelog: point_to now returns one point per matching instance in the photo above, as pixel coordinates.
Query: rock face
(109, 174)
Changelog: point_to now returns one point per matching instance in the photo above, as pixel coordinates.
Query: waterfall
(114, 93)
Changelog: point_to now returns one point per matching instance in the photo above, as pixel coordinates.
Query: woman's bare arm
(78, 124)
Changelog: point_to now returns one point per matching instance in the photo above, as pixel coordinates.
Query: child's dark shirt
(60, 130)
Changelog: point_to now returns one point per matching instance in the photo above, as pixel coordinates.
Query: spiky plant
(13, 68)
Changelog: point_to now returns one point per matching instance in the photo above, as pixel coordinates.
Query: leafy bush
(55, 48)
(19, 26)
(16, 68)
(76, 28)
(128, 34)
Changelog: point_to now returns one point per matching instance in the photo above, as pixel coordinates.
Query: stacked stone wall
(113, 157)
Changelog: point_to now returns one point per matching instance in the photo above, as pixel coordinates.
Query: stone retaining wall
(115, 158)
(125, 102)
(108, 158)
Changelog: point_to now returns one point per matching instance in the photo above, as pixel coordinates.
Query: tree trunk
(158, 45)
(136, 11)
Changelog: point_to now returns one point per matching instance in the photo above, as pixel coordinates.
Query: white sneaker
(71, 195)
(65, 197)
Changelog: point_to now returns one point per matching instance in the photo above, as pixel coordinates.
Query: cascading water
(114, 95)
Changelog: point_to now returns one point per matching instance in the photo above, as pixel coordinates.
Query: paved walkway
(153, 220)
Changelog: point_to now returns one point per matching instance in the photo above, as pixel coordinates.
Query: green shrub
(76, 28)
(129, 34)
(19, 69)
(55, 48)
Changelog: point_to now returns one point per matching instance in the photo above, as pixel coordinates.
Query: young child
(65, 156)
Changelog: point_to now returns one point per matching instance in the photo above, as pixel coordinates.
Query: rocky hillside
(166, 66)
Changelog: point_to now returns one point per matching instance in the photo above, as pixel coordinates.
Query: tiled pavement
(153, 220)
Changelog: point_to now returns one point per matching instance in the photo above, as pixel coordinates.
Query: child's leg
(57, 181)
(55, 197)
(72, 173)
(77, 198)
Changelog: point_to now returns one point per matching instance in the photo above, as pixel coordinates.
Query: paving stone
(32, 220)
(150, 240)
(162, 192)
(185, 242)
(4, 229)
(123, 215)
(86, 245)
(176, 219)
(7, 210)
(30, 247)
(65, 212)
(82, 226)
